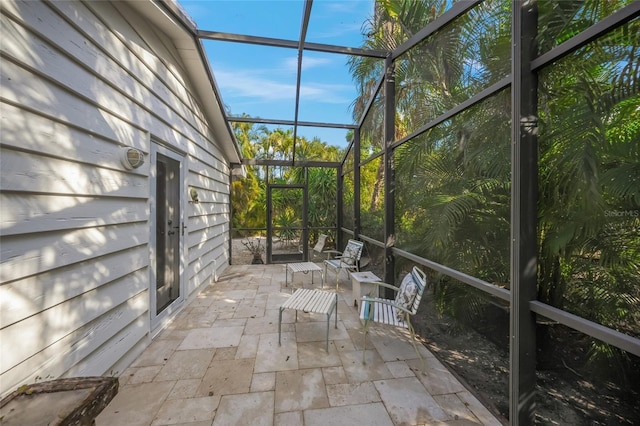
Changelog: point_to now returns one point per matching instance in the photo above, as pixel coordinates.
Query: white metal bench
(389, 311)
(311, 301)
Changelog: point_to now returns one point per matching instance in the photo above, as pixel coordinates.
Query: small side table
(361, 284)
(304, 267)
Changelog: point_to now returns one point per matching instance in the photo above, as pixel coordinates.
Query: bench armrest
(332, 251)
(385, 302)
(385, 285)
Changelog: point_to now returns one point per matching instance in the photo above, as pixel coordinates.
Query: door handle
(177, 227)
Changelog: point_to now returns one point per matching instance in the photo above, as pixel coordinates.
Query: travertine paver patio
(219, 363)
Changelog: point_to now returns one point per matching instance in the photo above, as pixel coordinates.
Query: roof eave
(173, 21)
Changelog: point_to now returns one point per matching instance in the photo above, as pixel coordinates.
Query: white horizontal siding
(204, 241)
(101, 361)
(24, 298)
(213, 251)
(57, 359)
(31, 335)
(205, 223)
(30, 254)
(79, 82)
(208, 177)
(129, 101)
(26, 172)
(90, 51)
(30, 131)
(22, 88)
(26, 213)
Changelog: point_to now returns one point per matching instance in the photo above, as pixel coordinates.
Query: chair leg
(280, 327)
(413, 341)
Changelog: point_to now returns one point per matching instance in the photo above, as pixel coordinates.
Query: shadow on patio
(219, 363)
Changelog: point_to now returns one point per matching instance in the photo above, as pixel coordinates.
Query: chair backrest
(420, 278)
(352, 251)
(322, 240)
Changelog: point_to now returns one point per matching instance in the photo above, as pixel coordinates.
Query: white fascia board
(195, 63)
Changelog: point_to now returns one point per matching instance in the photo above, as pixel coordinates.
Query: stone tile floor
(219, 363)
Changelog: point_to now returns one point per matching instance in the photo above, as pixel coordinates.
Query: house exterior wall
(79, 81)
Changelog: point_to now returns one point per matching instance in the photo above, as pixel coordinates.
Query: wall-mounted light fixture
(193, 193)
(238, 172)
(131, 158)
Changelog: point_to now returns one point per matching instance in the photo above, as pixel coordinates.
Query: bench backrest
(420, 278)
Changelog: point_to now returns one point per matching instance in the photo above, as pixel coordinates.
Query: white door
(167, 235)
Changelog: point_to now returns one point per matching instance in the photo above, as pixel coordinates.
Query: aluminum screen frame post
(356, 187)
(524, 197)
(389, 172)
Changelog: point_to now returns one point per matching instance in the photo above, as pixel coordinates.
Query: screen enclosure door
(286, 223)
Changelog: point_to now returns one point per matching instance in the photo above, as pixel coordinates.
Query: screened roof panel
(339, 22)
(256, 80)
(326, 89)
(275, 19)
(259, 80)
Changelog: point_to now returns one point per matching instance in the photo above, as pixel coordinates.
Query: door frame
(157, 321)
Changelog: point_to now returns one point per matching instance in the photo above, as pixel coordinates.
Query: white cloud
(325, 93)
(337, 31)
(250, 84)
(291, 64)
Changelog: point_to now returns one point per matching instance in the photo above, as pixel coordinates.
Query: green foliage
(456, 300)
(322, 192)
(590, 181)
(249, 194)
(452, 183)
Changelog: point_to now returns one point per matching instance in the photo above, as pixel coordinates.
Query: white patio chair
(394, 312)
(318, 249)
(348, 259)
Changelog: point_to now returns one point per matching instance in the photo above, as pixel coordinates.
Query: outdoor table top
(313, 301)
(303, 267)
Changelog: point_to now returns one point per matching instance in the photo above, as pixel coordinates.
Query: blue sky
(261, 81)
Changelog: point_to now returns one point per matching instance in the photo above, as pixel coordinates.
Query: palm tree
(589, 185)
(248, 195)
(453, 182)
(456, 176)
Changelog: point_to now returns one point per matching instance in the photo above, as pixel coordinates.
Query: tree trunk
(376, 195)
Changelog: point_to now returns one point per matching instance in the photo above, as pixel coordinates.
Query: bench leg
(280, 327)
(328, 319)
(336, 307)
(325, 274)
(413, 341)
(334, 310)
(365, 329)
(286, 274)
